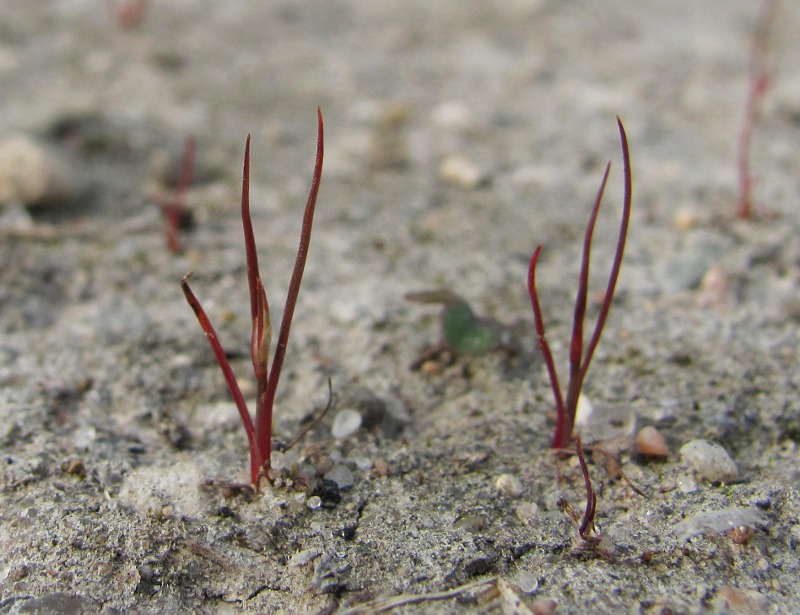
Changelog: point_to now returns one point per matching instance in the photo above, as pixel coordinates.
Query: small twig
(381, 605)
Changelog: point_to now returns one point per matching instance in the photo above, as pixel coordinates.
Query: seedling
(259, 433)
(759, 78)
(579, 358)
(175, 212)
(463, 332)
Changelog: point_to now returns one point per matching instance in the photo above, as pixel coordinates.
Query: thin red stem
(545, 347)
(591, 497)
(611, 287)
(576, 371)
(264, 412)
(175, 210)
(256, 458)
(758, 84)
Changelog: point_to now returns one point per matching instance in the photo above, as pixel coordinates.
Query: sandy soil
(459, 136)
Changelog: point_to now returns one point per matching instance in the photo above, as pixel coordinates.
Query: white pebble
(527, 581)
(346, 423)
(31, 174)
(341, 475)
(527, 510)
(719, 521)
(314, 502)
(460, 172)
(362, 463)
(709, 461)
(453, 114)
(509, 485)
(277, 460)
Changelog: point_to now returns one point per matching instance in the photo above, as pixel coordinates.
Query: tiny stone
(649, 441)
(709, 461)
(346, 423)
(314, 502)
(470, 523)
(341, 475)
(460, 172)
(527, 510)
(363, 463)
(31, 173)
(509, 485)
(685, 219)
(453, 115)
(687, 484)
(277, 460)
(527, 581)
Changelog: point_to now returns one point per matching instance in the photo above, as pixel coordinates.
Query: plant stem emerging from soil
(580, 358)
(587, 523)
(759, 79)
(175, 212)
(259, 433)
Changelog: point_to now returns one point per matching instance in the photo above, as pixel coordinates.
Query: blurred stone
(32, 173)
(461, 172)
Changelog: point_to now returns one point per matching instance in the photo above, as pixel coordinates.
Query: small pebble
(721, 520)
(31, 173)
(314, 502)
(277, 460)
(346, 423)
(709, 461)
(453, 115)
(509, 485)
(527, 581)
(527, 510)
(715, 289)
(685, 219)
(461, 172)
(341, 475)
(470, 523)
(362, 463)
(650, 442)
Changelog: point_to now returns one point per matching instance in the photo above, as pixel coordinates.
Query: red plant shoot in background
(176, 212)
(759, 81)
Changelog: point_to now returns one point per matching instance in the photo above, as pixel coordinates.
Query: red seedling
(759, 79)
(176, 214)
(579, 358)
(259, 433)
